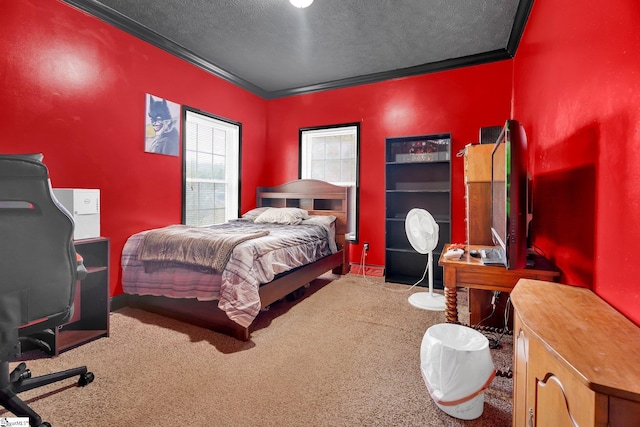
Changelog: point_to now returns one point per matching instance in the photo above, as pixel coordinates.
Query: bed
(227, 300)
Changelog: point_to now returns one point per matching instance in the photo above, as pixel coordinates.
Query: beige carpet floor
(346, 354)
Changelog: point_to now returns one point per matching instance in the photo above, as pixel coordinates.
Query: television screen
(508, 195)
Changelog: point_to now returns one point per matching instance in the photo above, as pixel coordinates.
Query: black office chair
(38, 272)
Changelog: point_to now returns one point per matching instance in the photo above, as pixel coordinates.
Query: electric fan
(422, 232)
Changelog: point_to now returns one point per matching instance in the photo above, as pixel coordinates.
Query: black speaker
(489, 135)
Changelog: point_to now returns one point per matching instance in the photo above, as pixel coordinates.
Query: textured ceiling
(273, 49)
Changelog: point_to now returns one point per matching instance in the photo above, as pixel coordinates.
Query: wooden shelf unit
(415, 180)
(477, 179)
(91, 305)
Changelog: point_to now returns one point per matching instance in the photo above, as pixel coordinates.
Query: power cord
(363, 257)
(494, 298)
(495, 340)
(424, 274)
(505, 330)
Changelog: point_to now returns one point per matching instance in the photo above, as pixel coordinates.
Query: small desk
(469, 272)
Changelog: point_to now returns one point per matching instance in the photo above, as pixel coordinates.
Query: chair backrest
(38, 266)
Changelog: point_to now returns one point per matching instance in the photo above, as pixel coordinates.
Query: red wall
(577, 93)
(74, 89)
(459, 102)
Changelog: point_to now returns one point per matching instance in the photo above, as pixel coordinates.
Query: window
(331, 153)
(211, 169)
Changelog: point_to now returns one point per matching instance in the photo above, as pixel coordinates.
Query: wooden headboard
(317, 197)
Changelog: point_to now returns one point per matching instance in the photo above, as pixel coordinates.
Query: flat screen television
(509, 195)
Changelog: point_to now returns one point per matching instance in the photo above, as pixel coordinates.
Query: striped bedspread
(252, 263)
(206, 247)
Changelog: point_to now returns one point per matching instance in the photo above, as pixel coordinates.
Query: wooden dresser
(576, 359)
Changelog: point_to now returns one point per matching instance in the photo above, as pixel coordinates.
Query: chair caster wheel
(86, 379)
(45, 424)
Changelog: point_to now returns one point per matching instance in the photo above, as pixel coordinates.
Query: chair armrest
(82, 270)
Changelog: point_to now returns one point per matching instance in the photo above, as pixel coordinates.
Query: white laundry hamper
(457, 368)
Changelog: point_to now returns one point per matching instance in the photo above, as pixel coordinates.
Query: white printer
(84, 205)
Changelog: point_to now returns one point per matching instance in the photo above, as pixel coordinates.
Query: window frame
(354, 211)
(185, 111)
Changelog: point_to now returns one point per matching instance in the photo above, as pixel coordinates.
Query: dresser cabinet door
(561, 400)
(521, 353)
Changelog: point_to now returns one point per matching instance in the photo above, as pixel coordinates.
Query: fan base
(427, 301)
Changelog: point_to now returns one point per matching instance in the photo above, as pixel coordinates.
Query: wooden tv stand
(469, 272)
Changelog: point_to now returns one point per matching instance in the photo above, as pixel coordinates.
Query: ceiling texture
(273, 49)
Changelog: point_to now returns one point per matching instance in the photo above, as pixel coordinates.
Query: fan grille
(422, 230)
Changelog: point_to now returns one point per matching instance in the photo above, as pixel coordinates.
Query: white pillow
(290, 216)
(254, 213)
(320, 220)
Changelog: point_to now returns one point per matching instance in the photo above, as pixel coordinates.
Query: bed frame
(317, 197)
